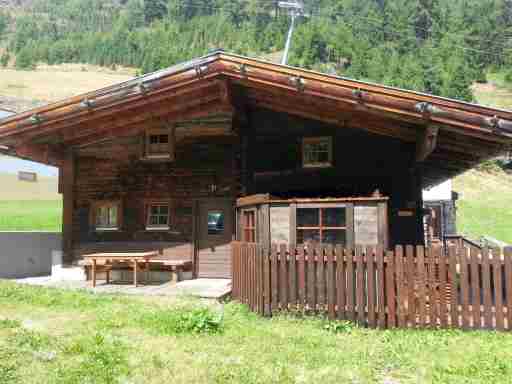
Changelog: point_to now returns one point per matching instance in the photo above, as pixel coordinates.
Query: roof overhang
(451, 136)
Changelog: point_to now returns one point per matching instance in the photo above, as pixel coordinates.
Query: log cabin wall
(114, 171)
(362, 163)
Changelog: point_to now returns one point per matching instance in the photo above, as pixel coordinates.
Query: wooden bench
(177, 267)
(107, 259)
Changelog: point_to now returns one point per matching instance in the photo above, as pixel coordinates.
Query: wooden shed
(347, 221)
(189, 158)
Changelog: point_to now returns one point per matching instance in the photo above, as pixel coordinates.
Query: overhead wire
(386, 29)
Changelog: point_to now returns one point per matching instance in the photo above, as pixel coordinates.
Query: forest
(435, 46)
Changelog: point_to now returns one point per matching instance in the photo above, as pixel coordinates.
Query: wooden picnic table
(107, 258)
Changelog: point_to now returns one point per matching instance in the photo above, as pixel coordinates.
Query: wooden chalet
(224, 147)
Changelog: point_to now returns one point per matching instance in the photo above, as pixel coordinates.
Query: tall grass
(80, 337)
(32, 215)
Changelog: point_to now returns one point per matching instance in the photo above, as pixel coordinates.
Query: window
(215, 222)
(249, 226)
(157, 144)
(158, 216)
(106, 216)
(316, 152)
(322, 225)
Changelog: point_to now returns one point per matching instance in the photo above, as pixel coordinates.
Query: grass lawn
(57, 336)
(485, 204)
(35, 215)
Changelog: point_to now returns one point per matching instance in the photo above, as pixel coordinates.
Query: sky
(13, 165)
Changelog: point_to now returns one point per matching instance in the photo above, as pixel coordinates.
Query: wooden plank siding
(419, 288)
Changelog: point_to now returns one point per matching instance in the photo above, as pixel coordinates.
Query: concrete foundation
(27, 254)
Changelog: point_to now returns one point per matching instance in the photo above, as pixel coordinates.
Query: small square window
(322, 225)
(316, 152)
(157, 144)
(158, 216)
(215, 222)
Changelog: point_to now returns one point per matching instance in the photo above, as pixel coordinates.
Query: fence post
(331, 283)
(292, 270)
(498, 290)
(411, 285)
(507, 254)
(390, 289)
(453, 278)
(266, 281)
(381, 302)
(273, 279)
(400, 287)
(486, 283)
(370, 278)
(341, 282)
(476, 299)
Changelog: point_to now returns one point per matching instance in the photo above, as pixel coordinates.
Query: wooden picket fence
(411, 286)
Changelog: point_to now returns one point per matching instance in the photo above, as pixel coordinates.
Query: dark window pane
(153, 220)
(215, 222)
(308, 217)
(162, 220)
(154, 210)
(164, 139)
(334, 236)
(323, 157)
(307, 236)
(164, 209)
(153, 139)
(333, 217)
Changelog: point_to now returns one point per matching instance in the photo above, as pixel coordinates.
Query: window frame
(147, 215)
(223, 213)
(148, 154)
(317, 139)
(244, 227)
(109, 204)
(320, 228)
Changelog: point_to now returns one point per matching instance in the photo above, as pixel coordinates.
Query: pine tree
(154, 10)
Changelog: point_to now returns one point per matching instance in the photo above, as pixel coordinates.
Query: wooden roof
(451, 136)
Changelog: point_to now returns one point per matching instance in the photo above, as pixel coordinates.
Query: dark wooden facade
(235, 127)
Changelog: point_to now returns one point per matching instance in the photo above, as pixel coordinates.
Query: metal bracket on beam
(359, 95)
(87, 104)
(499, 125)
(201, 70)
(427, 109)
(298, 82)
(36, 119)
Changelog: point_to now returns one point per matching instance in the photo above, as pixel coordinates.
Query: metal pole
(288, 41)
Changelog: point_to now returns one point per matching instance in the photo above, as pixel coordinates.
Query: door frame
(196, 229)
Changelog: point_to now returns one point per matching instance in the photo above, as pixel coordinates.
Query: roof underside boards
(452, 136)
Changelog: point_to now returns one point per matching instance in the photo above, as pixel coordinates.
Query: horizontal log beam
(104, 100)
(377, 98)
(331, 117)
(127, 112)
(200, 108)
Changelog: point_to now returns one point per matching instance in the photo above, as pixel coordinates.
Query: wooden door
(215, 232)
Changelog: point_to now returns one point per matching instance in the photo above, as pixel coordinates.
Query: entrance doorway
(215, 232)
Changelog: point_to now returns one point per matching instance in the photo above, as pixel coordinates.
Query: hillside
(22, 90)
(436, 46)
